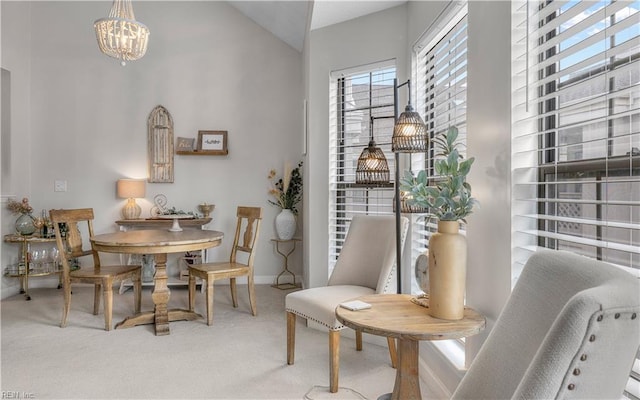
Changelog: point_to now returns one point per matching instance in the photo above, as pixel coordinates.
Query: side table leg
(407, 386)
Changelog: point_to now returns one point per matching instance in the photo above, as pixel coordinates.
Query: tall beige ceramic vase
(447, 271)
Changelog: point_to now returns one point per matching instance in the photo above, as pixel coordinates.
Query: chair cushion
(319, 304)
(219, 267)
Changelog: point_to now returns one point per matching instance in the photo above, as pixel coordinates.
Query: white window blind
(441, 86)
(576, 132)
(441, 96)
(576, 141)
(357, 95)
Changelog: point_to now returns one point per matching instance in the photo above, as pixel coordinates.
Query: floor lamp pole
(409, 136)
(398, 224)
(397, 195)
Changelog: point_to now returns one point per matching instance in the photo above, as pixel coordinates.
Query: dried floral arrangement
(20, 207)
(287, 190)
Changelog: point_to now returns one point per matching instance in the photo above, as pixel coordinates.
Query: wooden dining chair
(249, 219)
(102, 277)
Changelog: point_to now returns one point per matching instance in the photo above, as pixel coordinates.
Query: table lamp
(130, 189)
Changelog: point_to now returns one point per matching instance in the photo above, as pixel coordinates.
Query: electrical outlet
(60, 186)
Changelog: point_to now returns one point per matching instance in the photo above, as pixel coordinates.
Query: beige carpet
(239, 357)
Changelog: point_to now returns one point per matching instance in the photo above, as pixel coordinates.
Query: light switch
(60, 186)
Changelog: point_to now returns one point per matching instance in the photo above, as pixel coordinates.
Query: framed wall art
(185, 144)
(212, 142)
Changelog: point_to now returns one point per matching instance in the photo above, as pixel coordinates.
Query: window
(441, 84)
(577, 135)
(441, 96)
(357, 96)
(576, 131)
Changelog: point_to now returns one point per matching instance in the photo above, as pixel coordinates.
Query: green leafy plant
(287, 191)
(448, 195)
(174, 211)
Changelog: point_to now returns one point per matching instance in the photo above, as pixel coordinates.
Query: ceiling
(287, 20)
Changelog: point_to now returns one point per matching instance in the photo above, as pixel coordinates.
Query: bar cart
(25, 268)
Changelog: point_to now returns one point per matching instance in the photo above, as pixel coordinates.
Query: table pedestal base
(407, 386)
(149, 317)
(160, 316)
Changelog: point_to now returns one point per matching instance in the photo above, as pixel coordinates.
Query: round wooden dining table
(158, 242)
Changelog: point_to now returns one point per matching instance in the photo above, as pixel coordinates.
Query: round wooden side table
(396, 316)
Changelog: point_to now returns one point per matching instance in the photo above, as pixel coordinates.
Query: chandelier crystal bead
(120, 35)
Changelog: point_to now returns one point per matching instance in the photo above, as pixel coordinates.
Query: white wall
(210, 66)
(15, 57)
(489, 140)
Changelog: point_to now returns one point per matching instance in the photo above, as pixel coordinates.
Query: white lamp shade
(130, 188)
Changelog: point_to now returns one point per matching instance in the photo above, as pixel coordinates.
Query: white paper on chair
(355, 305)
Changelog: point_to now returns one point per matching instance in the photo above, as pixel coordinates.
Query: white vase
(447, 271)
(285, 224)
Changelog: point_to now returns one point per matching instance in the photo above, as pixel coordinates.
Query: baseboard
(437, 367)
(436, 385)
(12, 289)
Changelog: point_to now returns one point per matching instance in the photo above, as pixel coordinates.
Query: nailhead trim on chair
(591, 339)
(331, 328)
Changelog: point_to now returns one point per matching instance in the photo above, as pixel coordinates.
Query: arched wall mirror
(160, 140)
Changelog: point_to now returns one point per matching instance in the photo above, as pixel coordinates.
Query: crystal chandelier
(120, 35)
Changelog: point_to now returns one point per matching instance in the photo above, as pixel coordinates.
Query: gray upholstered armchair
(570, 330)
(364, 266)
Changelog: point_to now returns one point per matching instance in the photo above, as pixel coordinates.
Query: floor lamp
(409, 136)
